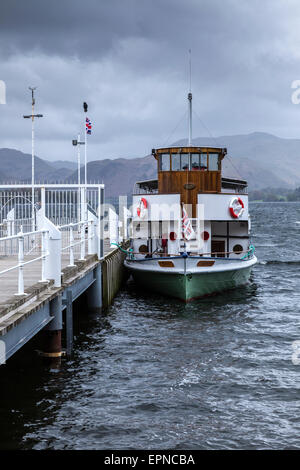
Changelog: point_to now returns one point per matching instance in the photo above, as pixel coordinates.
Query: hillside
(16, 167)
(263, 159)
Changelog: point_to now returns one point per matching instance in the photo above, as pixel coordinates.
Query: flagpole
(78, 171)
(190, 101)
(85, 108)
(32, 162)
(85, 172)
(85, 157)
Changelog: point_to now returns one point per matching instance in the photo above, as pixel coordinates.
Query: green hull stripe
(191, 286)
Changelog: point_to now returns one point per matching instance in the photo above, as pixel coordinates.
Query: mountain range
(264, 160)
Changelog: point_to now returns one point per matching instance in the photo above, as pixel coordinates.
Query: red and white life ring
(142, 208)
(173, 236)
(236, 207)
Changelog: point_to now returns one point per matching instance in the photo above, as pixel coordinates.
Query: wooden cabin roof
(193, 149)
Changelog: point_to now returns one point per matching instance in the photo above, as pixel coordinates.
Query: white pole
(71, 246)
(85, 157)
(78, 159)
(32, 167)
(190, 102)
(45, 236)
(85, 173)
(21, 261)
(78, 170)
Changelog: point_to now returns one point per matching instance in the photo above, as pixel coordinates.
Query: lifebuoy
(236, 207)
(205, 235)
(142, 208)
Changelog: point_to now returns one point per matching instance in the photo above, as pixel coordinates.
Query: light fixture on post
(32, 116)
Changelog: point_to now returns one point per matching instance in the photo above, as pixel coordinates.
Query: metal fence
(63, 204)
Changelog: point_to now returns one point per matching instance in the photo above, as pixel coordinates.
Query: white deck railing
(66, 221)
(20, 238)
(68, 229)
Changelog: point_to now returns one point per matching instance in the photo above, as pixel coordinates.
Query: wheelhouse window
(176, 161)
(213, 161)
(190, 161)
(195, 161)
(185, 161)
(203, 161)
(164, 162)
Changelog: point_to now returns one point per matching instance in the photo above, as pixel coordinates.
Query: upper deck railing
(228, 185)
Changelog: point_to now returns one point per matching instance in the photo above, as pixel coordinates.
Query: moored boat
(190, 226)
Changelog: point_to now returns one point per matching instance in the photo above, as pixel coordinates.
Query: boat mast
(190, 100)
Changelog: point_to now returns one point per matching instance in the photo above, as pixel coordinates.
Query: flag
(187, 229)
(88, 126)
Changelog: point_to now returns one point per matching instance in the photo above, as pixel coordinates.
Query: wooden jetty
(45, 269)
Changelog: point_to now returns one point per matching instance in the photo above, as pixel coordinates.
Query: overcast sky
(129, 60)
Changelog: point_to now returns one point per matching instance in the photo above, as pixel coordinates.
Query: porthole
(238, 249)
(143, 249)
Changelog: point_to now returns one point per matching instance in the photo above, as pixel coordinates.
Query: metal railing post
(43, 200)
(45, 239)
(82, 244)
(21, 261)
(82, 204)
(91, 235)
(71, 246)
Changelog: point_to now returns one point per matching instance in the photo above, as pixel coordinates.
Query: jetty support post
(68, 302)
(94, 293)
(52, 348)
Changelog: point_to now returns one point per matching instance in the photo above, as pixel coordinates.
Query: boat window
(203, 161)
(213, 161)
(185, 161)
(176, 161)
(195, 161)
(165, 162)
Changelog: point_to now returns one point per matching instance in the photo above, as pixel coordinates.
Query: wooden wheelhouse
(189, 171)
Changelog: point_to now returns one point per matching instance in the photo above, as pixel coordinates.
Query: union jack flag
(88, 126)
(187, 229)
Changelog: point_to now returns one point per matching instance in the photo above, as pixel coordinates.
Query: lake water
(153, 373)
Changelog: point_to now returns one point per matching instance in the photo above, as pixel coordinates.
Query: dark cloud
(128, 59)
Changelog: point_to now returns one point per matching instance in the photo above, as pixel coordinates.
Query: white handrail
(81, 242)
(24, 234)
(21, 263)
(45, 253)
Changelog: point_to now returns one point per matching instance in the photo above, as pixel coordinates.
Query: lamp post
(78, 143)
(32, 116)
(85, 108)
